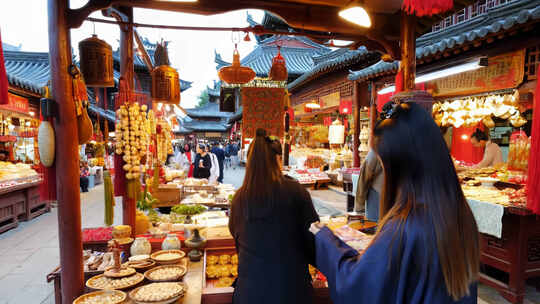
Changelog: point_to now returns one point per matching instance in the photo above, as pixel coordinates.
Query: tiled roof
(27, 70)
(9, 47)
(330, 62)
(297, 51)
(216, 90)
(189, 125)
(108, 114)
(496, 19)
(139, 64)
(210, 110)
(378, 69)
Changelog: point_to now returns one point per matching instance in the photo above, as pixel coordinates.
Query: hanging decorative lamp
(336, 133)
(278, 71)
(165, 79)
(236, 73)
(96, 62)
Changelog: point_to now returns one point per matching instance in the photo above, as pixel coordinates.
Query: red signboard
(16, 104)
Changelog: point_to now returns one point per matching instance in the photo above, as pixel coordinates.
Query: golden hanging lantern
(96, 62)
(236, 74)
(278, 71)
(165, 85)
(165, 79)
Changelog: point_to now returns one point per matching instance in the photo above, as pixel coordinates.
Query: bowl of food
(487, 181)
(166, 273)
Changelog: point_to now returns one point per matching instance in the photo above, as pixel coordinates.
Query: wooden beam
(408, 51)
(67, 153)
(143, 51)
(76, 17)
(307, 17)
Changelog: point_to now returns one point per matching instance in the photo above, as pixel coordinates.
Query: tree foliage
(204, 98)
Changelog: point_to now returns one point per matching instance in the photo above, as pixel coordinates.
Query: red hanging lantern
(236, 73)
(345, 107)
(165, 79)
(278, 71)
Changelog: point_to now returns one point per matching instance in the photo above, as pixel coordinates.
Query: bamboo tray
(155, 257)
(84, 297)
(91, 282)
(171, 300)
(183, 271)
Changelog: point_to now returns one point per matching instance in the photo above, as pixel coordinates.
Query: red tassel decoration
(399, 82)
(533, 197)
(422, 8)
(3, 77)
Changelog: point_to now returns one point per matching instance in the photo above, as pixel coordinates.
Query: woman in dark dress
(269, 220)
(426, 248)
(202, 163)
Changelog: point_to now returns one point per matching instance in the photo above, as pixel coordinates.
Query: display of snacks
(164, 140)
(97, 234)
(141, 265)
(168, 256)
(221, 268)
(518, 151)
(97, 261)
(102, 297)
(124, 271)
(157, 292)
(132, 133)
(19, 171)
(103, 282)
(166, 273)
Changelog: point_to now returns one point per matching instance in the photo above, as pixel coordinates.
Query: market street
(29, 252)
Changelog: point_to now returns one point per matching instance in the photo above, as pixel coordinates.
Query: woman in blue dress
(426, 249)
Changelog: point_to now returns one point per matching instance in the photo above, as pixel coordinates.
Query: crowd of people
(201, 160)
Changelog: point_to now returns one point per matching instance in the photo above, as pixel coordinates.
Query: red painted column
(67, 154)
(126, 69)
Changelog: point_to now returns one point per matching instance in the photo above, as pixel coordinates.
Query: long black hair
(263, 174)
(480, 135)
(421, 184)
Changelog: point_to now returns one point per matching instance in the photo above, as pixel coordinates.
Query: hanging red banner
(327, 121)
(16, 104)
(345, 107)
(263, 108)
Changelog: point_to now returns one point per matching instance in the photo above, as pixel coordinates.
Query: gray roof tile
(379, 68)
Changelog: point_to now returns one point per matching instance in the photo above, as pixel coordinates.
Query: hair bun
(261, 132)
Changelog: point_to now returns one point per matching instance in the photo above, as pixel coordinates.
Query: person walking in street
(84, 176)
(269, 220)
(426, 249)
(187, 159)
(203, 163)
(233, 152)
(214, 170)
(220, 154)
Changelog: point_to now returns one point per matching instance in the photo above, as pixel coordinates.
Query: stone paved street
(29, 252)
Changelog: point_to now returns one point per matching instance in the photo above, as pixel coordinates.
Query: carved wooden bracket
(76, 16)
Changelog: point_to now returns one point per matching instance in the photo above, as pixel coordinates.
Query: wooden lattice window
(532, 60)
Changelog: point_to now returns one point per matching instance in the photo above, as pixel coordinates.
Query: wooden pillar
(356, 133)
(67, 153)
(373, 108)
(408, 50)
(126, 70)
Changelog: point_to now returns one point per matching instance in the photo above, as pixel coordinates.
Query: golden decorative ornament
(488, 122)
(96, 62)
(278, 71)
(165, 85)
(236, 73)
(84, 126)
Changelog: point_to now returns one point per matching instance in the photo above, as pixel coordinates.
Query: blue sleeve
(353, 278)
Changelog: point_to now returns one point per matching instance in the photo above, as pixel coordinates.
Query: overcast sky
(191, 52)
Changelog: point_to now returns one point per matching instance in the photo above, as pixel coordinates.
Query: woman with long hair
(203, 163)
(269, 220)
(426, 247)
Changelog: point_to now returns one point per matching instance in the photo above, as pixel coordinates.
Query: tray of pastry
(220, 271)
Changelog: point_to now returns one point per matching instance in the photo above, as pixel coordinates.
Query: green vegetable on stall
(188, 209)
